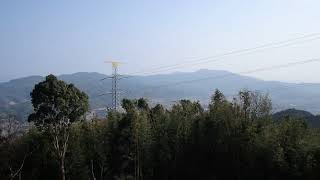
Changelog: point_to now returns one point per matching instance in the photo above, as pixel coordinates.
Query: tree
(137, 112)
(10, 132)
(94, 144)
(56, 106)
(17, 144)
(228, 140)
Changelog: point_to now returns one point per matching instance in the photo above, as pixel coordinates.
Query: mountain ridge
(15, 94)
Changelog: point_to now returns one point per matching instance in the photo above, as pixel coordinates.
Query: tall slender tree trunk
(60, 146)
(101, 172)
(92, 171)
(63, 173)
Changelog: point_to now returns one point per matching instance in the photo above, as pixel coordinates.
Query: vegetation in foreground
(230, 140)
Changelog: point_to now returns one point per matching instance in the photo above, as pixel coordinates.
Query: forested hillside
(230, 140)
(312, 120)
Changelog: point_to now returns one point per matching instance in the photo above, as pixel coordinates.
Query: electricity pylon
(115, 91)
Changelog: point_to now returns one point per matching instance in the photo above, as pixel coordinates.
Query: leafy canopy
(55, 101)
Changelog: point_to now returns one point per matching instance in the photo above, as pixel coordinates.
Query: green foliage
(312, 120)
(57, 105)
(230, 140)
(54, 101)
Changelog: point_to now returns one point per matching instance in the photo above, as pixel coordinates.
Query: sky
(63, 37)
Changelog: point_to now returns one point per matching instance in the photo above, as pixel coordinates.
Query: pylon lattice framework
(115, 91)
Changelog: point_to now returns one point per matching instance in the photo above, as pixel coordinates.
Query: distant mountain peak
(28, 78)
(210, 71)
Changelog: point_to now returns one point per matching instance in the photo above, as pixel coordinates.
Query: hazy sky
(61, 37)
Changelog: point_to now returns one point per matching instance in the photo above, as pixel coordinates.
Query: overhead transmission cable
(218, 57)
(278, 44)
(243, 72)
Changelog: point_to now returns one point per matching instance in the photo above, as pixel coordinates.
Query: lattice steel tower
(115, 91)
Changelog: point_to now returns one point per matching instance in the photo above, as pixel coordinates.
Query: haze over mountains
(166, 88)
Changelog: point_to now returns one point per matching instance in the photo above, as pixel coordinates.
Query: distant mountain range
(166, 88)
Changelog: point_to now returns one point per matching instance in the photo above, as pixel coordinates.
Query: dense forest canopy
(234, 139)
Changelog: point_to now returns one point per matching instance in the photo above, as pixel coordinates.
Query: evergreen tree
(56, 106)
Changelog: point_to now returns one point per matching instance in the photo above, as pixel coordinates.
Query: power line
(279, 44)
(248, 72)
(244, 72)
(214, 58)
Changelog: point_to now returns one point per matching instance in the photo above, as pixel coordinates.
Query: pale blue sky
(61, 37)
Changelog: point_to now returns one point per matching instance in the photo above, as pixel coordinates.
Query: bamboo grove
(230, 139)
